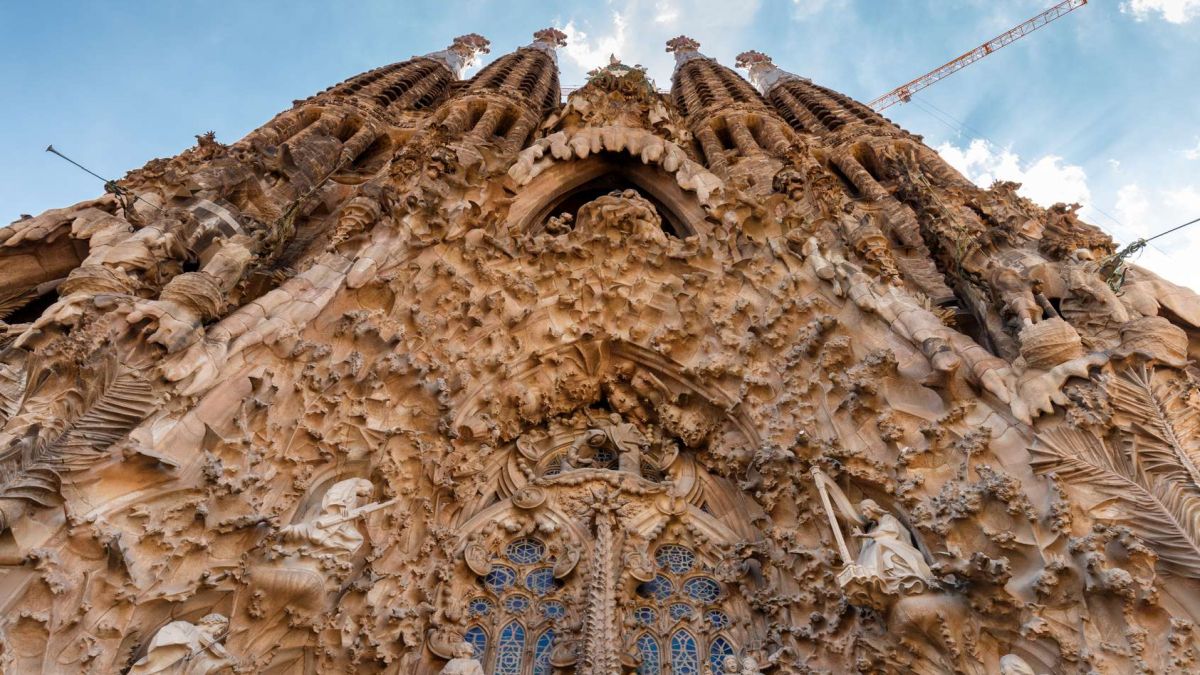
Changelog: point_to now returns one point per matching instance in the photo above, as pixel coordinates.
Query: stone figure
(464, 661)
(334, 532)
(184, 648)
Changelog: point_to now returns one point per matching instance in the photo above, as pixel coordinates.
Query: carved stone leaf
(32, 467)
(1164, 426)
(1161, 511)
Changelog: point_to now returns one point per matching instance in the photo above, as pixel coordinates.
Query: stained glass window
(554, 610)
(499, 578)
(516, 603)
(509, 649)
(717, 651)
(647, 646)
(685, 658)
(541, 654)
(478, 640)
(680, 610)
(541, 581)
(645, 616)
(526, 551)
(660, 588)
(479, 606)
(702, 588)
(717, 619)
(678, 559)
(604, 459)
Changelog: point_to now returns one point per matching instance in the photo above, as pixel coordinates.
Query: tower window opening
(722, 131)
(848, 185)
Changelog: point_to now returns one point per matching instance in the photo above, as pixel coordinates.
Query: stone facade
(441, 376)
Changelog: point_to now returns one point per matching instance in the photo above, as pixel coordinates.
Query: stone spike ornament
(436, 376)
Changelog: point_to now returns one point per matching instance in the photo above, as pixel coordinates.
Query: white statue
(887, 562)
(333, 531)
(464, 661)
(184, 648)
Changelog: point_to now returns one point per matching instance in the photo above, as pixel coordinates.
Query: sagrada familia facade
(431, 375)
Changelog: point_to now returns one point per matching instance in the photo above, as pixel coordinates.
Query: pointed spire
(684, 48)
(461, 54)
(764, 74)
(549, 40)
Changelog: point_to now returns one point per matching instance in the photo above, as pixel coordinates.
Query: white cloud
(666, 12)
(1193, 153)
(802, 9)
(1173, 11)
(588, 52)
(1114, 163)
(1045, 181)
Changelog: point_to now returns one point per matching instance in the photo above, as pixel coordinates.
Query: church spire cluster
(443, 376)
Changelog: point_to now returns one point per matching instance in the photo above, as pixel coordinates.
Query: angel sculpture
(187, 648)
(888, 564)
(464, 661)
(334, 532)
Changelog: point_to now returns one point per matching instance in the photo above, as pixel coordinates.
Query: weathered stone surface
(429, 376)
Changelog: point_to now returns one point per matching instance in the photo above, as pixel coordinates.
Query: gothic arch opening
(566, 186)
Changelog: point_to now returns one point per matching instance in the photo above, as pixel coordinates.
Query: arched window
(541, 653)
(685, 657)
(680, 599)
(509, 650)
(717, 651)
(478, 640)
(519, 598)
(647, 647)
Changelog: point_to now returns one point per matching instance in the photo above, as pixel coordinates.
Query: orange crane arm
(905, 91)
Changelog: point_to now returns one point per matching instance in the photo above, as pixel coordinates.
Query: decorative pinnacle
(764, 74)
(461, 53)
(552, 37)
(682, 45)
(470, 44)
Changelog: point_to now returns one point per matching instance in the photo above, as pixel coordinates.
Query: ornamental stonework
(442, 376)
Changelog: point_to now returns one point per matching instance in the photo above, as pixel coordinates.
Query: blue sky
(1100, 107)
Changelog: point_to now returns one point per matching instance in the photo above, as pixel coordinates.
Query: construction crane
(904, 92)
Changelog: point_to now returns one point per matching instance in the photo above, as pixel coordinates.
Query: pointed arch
(718, 650)
(510, 648)
(541, 653)
(685, 655)
(651, 655)
(477, 638)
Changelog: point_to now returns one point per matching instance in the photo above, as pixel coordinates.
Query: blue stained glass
(604, 459)
(509, 649)
(516, 604)
(647, 646)
(680, 610)
(541, 654)
(678, 559)
(717, 651)
(479, 607)
(541, 581)
(526, 551)
(554, 610)
(499, 578)
(717, 619)
(645, 616)
(478, 640)
(702, 588)
(660, 588)
(685, 658)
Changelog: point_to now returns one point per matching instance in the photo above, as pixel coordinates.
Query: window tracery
(520, 600)
(680, 607)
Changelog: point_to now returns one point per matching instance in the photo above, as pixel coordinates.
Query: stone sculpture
(594, 353)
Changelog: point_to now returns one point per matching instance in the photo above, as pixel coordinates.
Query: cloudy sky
(1100, 107)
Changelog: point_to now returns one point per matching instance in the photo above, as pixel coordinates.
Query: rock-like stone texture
(442, 376)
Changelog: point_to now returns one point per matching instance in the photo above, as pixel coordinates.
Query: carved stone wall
(441, 376)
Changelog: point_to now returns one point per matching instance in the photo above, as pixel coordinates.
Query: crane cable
(1117, 263)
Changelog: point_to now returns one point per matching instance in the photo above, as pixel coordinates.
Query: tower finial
(764, 74)
(461, 53)
(684, 48)
(549, 40)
